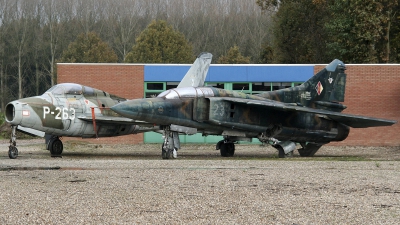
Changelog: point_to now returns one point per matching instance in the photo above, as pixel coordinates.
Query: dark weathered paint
(292, 114)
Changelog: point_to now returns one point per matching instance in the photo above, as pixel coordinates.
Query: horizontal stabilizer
(354, 121)
(361, 121)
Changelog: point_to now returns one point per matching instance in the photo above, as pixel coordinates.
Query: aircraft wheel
(227, 149)
(169, 153)
(218, 145)
(12, 152)
(308, 150)
(56, 146)
(50, 143)
(166, 153)
(48, 139)
(282, 154)
(163, 154)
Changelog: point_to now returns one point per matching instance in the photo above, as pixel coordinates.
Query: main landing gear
(226, 148)
(54, 145)
(285, 148)
(308, 149)
(12, 149)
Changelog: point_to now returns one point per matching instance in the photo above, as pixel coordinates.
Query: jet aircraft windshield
(66, 88)
(169, 94)
(186, 92)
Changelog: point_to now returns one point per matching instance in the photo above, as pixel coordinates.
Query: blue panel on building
(163, 73)
(279, 73)
(227, 74)
(232, 73)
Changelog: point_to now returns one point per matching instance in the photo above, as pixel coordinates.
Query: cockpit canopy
(186, 92)
(71, 89)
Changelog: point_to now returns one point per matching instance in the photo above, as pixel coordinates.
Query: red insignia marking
(319, 88)
(26, 113)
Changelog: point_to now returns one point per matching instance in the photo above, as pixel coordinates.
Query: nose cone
(128, 109)
(137, 109)
(14, 112)
(25, 111)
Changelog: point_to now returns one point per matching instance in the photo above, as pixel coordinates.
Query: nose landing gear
(12, 149)
(171, 144)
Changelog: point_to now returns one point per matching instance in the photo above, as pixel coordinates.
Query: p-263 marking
(62, 113)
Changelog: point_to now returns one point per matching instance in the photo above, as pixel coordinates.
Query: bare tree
(54, 13)
(34, 33)
(4, 20)
(124, 24)
(23, 11)
(89, 13)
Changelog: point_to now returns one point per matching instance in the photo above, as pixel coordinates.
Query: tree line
(317, 31)
(36, 34)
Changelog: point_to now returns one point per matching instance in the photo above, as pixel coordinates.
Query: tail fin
(196, 75)
(323, 90)
(329, 84)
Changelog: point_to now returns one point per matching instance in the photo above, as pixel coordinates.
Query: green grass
(2, 118)
(5, 130)
(2, 122)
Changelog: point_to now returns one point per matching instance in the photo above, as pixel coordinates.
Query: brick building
(371, 90)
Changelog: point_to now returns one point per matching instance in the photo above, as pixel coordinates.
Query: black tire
(281, 152)
(163, 154)
(56, 146)
(309, 150)
(50, 144)
(231, 149)
(12, 152)
(166, 153)
(223, 149)
(227, 149)
(169, 154)
(48, 139)
(218, 145)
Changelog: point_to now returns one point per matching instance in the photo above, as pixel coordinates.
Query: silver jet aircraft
(76, 110)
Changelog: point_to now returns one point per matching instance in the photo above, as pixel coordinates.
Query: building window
(280, 85)
(171, 85)
(152, 89)
(243, 87)
(152, 94)
(297, 84)
(155, 86)
(216, 85)
(261, 86)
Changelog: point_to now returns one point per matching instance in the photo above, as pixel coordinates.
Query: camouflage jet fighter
(309, 114)
(75, 110)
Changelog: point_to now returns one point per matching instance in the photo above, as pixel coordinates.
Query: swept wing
(354, 121)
